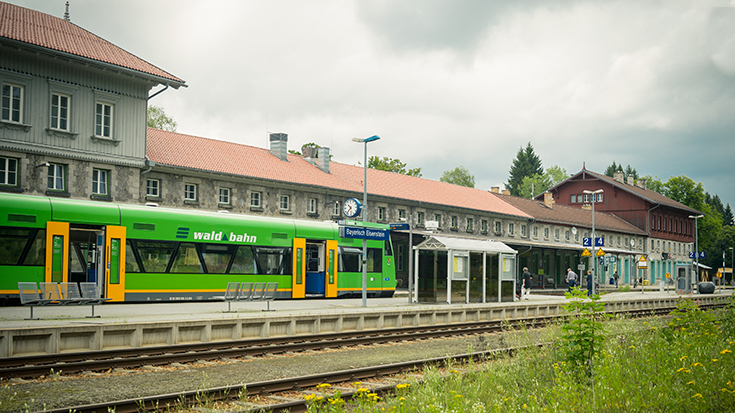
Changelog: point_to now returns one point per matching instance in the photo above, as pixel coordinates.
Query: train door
(315, 268)
(114, 262)
(331, 273)
(84, 254)
(57, 257)
(299, 264)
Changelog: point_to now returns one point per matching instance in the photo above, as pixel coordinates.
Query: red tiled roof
(572, 216)
(40, 29)
(187, 151)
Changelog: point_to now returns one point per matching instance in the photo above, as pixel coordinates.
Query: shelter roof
(43, 30)
(464, 244)
(198, 153)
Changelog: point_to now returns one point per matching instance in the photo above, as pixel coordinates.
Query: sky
(649, 84)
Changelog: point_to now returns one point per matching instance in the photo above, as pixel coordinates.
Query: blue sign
(586, 242)
(394, 227)
(599, 241)
(364, 233)
(612, 258)
(602, 261)
(693, 256)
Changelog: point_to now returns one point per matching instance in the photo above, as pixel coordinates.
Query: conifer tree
(526, 164)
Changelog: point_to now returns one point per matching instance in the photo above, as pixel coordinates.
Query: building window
(438, 219)
(556, 233)
(103, 120)
(381, 213)
(652, 244)
(9, 171)
(586, 198)
(511, 229)
(224, 196)
(401, 214)
(153, 188)
(399, 258)
(535, 232)
(546, 233)
(12, 107)
(190, 192)
(255, 200)
(580, 198)
(60, 111)
(566, 235)
(498, 227)
(99, 181)
(311, 207)
(455, 222)
(56, 177)
(599, 198)
(420, 218)
(336, 211)
(469, 224)
(573, 198)
(483, 226)
(285, 204)
(523, 230)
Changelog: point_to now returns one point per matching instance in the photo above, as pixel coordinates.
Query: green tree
(535, 184)
(630, 172)
(459, 176)
(610, 171)
(157, 118)
(654, 184)
(683, 189)
(727, 217)
(392, 165)
(526, 163)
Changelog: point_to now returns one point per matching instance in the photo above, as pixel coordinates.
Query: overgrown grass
(686, 364)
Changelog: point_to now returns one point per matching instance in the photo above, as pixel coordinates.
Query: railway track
(97, 361)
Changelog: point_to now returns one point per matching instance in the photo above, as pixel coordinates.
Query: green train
(145, 253)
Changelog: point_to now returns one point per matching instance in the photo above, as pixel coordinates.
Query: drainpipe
(157, 93)
(149, 163)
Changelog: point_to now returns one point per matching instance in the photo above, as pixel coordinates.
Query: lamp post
(696, 244)
(732, 265)
(594, 255)
(364, 215)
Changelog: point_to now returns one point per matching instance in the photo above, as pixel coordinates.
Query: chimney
(66, 13)
(641, 183)
(631, 180)
(309, 154)
(506, 191)
(322, 160)
(495, 189)
(279, 145)
(618, 176)
(548, 200)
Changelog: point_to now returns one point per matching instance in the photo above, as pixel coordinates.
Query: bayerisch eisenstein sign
(364, 233)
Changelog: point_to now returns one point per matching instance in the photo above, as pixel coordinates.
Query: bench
(51, 293)
(249, 291)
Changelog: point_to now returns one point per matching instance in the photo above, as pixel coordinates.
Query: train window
(187, 260)
(217, 257)
(131, 264)
(12, 243)
(350, 260)
(37, 253)
(375, 260)
(388, 250)
(244, 262)
(155, 255)
(273, 260)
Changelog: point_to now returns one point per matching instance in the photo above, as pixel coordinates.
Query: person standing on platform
(571, 279)
(526, 288)
(589, 283)
(616, 279)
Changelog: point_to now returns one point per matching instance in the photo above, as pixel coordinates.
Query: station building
(73, 125)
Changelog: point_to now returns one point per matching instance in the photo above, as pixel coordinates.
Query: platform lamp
(696, 246)
(364, 216)
(594, 256)
(732, 265)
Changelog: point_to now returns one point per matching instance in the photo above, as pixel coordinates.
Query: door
(114, 261)
(57, 256)
(299, 268)
(331, 275)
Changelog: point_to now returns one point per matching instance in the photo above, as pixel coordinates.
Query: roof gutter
(157, 93)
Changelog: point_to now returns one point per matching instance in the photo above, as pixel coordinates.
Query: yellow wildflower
(691, 382)
(715, 360)
(725, 351)
(697, 396)
(323, 386)
(696, 364)
(682, 358)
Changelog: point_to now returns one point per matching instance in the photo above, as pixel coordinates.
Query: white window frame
(103, 122)
(190, 192)
(8, 110)
(100, 181)
(556, 233)
(586, 198)
(419, 218)
(573, 199)
(381, 213)
(337, 211)
(455, 222)
(546, 233)
(256, 199)
(470, 224)
(284, 202)
(401, 214)
(498, 227)
(153, 188)
(511, 229)
(224, 196)
(438, 219)
(311, 206)
(483, 226)
(8, 177)
(523, 230)
(56, 174)
(57, 117)
(599, 198)
(535, 232)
